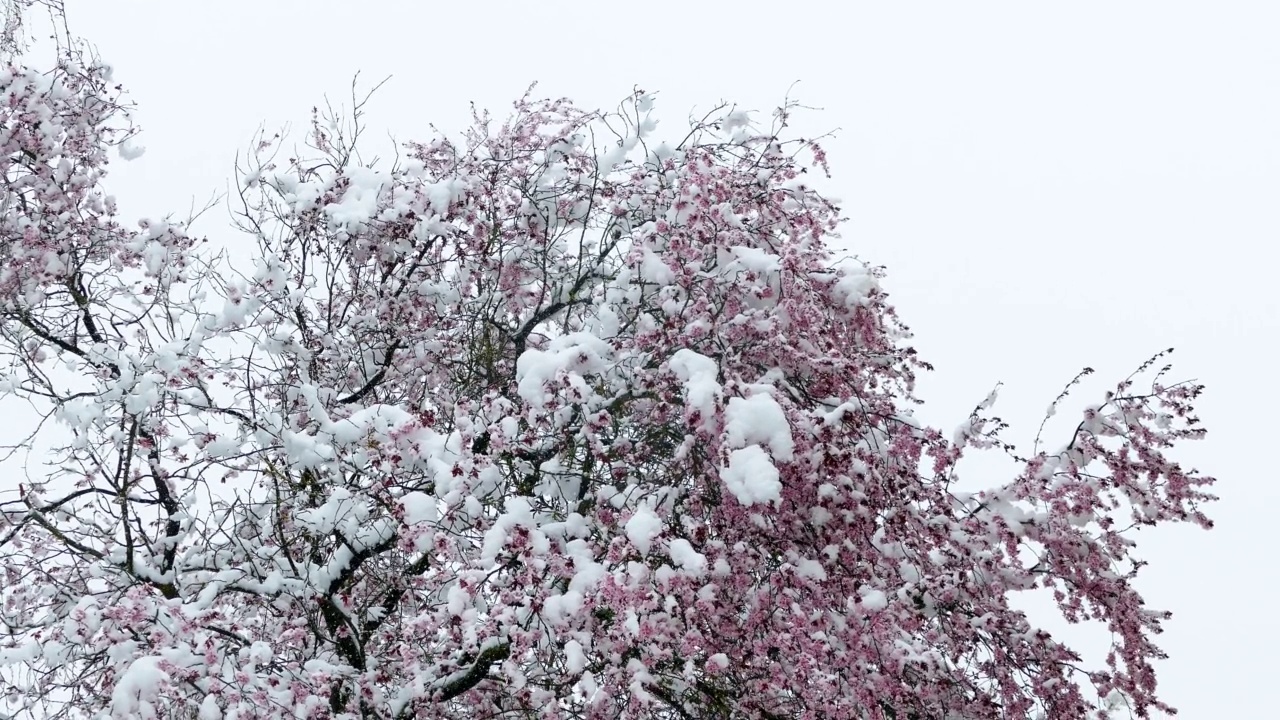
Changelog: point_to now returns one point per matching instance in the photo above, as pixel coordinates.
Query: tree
(549, 420)
(13, 35)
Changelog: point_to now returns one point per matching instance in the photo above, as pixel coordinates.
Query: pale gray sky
(1051, 185)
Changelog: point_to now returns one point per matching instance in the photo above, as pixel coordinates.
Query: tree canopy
(550, 419)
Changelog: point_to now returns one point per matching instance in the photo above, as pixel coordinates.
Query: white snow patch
(873, 600)
(419, 507)
(683, 554)
(698, 372)
(359, 204)
(854, 283)
(130, 150)
(759, 419)
(642, 528)
(136, 690)
(575, 354)
(751, 476)
(655, 270)
(811, 569)
(574, 658)
(209, 709)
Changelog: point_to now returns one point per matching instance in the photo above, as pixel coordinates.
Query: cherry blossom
(550, 419)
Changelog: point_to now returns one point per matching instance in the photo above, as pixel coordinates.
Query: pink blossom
(529, 424)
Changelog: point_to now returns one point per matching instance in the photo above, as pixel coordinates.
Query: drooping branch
(456, 686)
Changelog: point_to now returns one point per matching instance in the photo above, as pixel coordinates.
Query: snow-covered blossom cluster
(553, 419)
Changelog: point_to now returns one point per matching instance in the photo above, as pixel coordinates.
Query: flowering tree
(549, 420)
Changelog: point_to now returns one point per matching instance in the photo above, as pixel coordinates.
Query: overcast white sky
(1052, 185)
